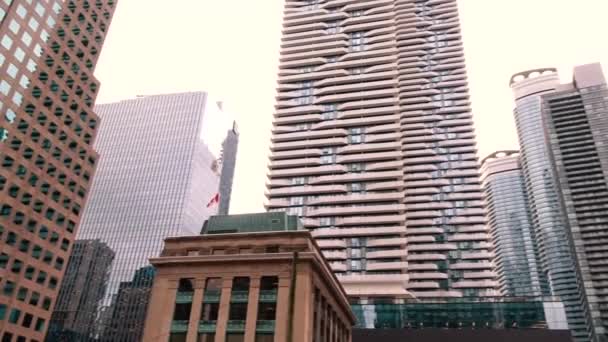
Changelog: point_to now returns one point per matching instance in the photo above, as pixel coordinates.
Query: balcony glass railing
(268, 296)
(184, 297)
(239, 296)
(206, 326)
(179, 326)
(235, 326)
(264, 326)
(212, 296)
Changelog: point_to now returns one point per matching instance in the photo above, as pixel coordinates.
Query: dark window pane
(240, 284)
(235, 337)
(238, 312)
(264, 338)
(186, 285)
(210, 311)
(206, 337)
(269, 283)
(267, 311)
(182, 312)
(177, 337)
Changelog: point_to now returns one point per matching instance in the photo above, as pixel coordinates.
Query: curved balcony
(351, 232)
(427, 257)
(364, 220)
(386, 266)
(355, 177)
(371, 209)
(433, 247)
(396, 253)
(427, 275)
(356, 198)
(307, 190)
(387, 242)
(308, 171)
(331, 243)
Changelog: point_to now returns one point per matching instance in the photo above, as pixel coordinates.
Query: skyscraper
(510, 222)
(74, 316)
(158, 176)
(556, 256)
(48, 53)
(373, 145)
(576, 123)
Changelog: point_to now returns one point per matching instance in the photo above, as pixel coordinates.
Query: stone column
(195, 313)
(252, 309)
(162, 299)
(302, 327)
(280, 329)
(222, 320)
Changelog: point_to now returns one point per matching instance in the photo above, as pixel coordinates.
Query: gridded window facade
(48, 52)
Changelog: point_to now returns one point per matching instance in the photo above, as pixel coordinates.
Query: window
(182, 311)
(264, 337)
(186, 285)
(7, 42)
(27, 320)
(210, 312)
(231, 337)
(40, 324)
(177, 337)
(2, 311)
(207, 337)
(14, 316)
(8, 289)
(267, 311)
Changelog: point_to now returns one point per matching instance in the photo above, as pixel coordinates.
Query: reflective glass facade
(509, 219)
(576, 118)
(552, 236)
(160, 165)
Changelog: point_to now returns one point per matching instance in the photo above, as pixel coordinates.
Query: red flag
(214, 200)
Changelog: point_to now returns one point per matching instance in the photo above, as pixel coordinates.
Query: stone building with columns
(264, 286)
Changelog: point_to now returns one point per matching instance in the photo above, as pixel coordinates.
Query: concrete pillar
(280, 329)
(319, 308)
(252, 309)
(195, 314)
(302, 328)
(162, 300)
(222, 319)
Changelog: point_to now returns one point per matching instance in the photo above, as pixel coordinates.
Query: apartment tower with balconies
(48, 53)
(373, 146)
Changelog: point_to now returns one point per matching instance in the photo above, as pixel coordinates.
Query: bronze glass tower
(48, 53)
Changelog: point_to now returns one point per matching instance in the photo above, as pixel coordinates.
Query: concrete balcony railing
(422, 267)
(432, 247)
(275, 183)
(351, 232)
(331, 243)
(355, 177)
(386, 266)
(335, 255)
(338, 266)
(356, 198)
(307, 190)
(395, 185)
(468, 237)
(471, 265)
(308, 171)
(290, 163)
(291, 120)
(369, 147)
(477, 255)
(363, 220)
(427, 275)
(479, 275)
(369, 157)
(467, 220)
(308, 143)
(387, 242)
(427, 257)
(299, 110)
(397, 253)
(384, 166)
(309, 152)
(319, 134)
(278, 203)
(372, 209)
(423, 285)
(421, 239)
(474, 284)
(392, 137)
(416, 214)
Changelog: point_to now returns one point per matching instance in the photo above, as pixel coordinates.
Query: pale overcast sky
(231, 49)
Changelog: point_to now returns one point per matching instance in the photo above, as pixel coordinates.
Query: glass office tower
(552, 233)
(48, 53)
(510, 222)
(373, 146)
(576, 123)
(160, 168)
